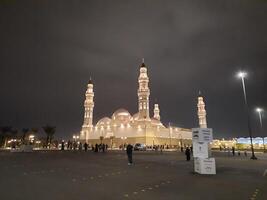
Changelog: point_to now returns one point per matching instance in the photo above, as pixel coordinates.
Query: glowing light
(241, 74)
(31, 136)
(259, 110)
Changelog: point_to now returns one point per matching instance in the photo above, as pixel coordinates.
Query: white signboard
(205, 165)
(202, 135)
(200, 149)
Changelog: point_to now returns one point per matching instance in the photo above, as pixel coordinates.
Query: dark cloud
(49, 49)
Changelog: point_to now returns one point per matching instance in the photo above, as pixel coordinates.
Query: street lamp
(75, 137)
(242, 75)
(259, 111)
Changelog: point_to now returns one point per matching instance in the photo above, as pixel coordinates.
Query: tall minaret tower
(201, 112)
(156, 111)
(143, 93)
(88, 113)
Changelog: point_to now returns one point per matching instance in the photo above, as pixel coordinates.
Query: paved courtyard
(87, 175)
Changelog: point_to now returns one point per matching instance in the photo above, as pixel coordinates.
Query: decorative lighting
(259, 110)
(241, 74)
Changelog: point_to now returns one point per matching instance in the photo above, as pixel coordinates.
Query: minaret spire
(156, 111)
(87, 127)
(201, 112)
(143, 93)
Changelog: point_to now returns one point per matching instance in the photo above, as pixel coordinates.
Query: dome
(104, 121)
(121, 115)
(155, 121)
(135, 116)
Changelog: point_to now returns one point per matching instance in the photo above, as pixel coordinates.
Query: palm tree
(4, 130)
(25, 132)
(50, 131)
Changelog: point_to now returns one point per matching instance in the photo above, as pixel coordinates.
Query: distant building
(122, 127)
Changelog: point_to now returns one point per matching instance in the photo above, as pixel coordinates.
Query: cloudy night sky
(49, 49)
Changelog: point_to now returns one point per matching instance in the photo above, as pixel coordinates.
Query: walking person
(129, 152)
(187, 153)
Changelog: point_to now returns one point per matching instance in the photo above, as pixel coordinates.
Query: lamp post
(259, 111)
(242, 75)
(75, 137)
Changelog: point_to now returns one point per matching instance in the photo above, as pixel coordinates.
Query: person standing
(187, 153)
(62, 146)
(80, 146)
(85, 146)
(233, 151)
(129, 152)
(106, 147)
(96, 148)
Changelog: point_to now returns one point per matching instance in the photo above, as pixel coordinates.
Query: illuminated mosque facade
(122, 127)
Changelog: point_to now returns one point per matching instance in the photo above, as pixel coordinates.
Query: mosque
(122, 127)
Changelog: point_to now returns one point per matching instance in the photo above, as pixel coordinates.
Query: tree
(50, 131)
(24, 134)
(4, 133)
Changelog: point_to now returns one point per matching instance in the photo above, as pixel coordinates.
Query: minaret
(89, 107)
(156, 111)
(143, 93)
(201, 112)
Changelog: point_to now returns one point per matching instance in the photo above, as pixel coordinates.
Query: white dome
(155, 121)
(135, 116)
(104, 121)
(121, 115)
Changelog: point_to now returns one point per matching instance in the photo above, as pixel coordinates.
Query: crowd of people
(188, 150)
(233, 151)
(73, 145)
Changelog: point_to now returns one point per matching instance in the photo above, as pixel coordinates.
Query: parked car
(139, 147)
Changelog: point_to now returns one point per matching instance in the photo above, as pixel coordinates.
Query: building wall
(149, 141)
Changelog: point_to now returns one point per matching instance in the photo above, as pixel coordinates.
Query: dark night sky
(49, 49)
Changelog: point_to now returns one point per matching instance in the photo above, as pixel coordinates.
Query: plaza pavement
(68, 175)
